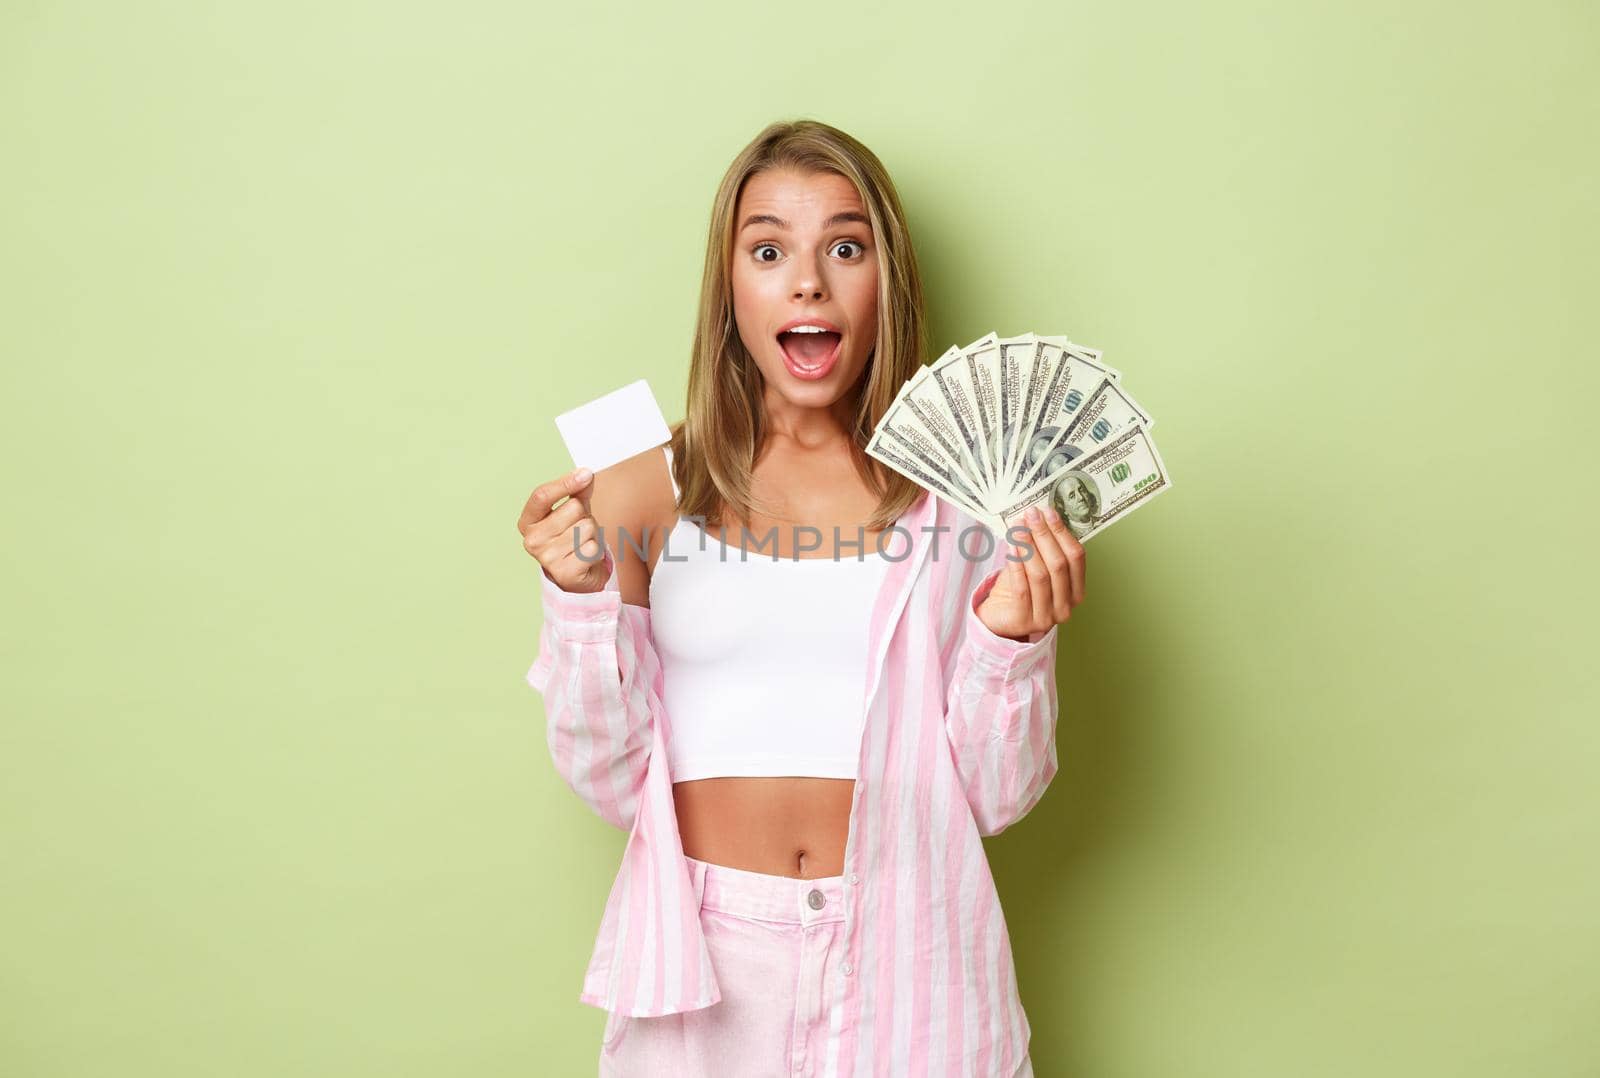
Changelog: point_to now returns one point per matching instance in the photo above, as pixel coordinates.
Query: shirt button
(815, 899)
(854, 878)
(848, 969)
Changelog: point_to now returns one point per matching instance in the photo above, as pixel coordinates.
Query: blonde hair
(714, 447)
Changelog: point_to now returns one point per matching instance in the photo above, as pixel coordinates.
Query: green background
(293, 292)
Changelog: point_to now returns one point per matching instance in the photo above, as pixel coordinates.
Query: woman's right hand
(556, 537)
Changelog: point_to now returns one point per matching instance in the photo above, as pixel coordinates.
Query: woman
(807, 713)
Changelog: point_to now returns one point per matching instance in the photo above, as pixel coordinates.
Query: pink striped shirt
(958, 742)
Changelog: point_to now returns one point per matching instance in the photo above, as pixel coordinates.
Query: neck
(807, 427)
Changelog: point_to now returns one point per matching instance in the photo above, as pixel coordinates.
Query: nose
(808, 282)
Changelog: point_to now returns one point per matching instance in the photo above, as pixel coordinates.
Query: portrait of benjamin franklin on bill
(1074, 497)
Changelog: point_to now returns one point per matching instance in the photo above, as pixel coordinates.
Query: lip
(821, 370)
(822, 322)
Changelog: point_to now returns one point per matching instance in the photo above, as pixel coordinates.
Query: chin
(822, 394)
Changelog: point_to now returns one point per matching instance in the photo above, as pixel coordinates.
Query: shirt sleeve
(596, 669)
(1000, 709)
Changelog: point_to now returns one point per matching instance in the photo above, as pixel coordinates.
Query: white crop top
(764, 660)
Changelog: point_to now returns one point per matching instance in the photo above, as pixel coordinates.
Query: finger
(1060, 571)
(1039, 589)
(1042, 591)
(1077, 562)
(1015, 575)
(567, 528)
(553, 528)
(586, 539)
(547, 494)
(575, 553)
(556, 537)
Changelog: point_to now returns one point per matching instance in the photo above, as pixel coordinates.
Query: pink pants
(776, 944)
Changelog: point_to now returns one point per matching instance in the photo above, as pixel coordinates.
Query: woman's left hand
(1031, 595)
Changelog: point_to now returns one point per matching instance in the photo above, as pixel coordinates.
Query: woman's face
(804, 252)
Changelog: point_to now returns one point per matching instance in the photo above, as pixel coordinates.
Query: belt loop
(697, 876)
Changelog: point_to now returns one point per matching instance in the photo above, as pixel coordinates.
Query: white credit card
(614, 427)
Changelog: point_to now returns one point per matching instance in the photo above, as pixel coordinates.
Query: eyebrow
(779, 222)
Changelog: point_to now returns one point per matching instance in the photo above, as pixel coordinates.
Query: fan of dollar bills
(1006, 423)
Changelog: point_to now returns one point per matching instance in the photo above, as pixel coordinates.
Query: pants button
(815, 899)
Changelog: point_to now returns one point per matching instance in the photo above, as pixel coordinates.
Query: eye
(852, 244)
(765, 247)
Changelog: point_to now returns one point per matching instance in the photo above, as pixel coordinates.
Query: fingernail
(582, 475)
(1032, 514)
(1051, 515)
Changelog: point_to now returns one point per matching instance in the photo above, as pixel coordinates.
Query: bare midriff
(783, 826)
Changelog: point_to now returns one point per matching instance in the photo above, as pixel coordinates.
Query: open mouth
(810, 352)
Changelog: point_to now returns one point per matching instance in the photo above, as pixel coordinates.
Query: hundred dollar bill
(902, 462)
(1064, 381)
(917, 400)
(1109, 411)
(904, 431)
(983, 368)
(1017, 359)
(1083, 351)
(949, 383)
(1046, 356)
(1101, 487)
